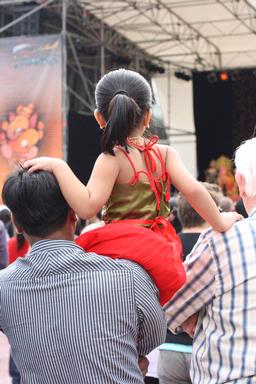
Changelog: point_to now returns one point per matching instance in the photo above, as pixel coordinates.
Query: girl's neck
(135, 141)
(136, 137)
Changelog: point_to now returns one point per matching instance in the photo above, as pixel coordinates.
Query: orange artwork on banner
(30, 100)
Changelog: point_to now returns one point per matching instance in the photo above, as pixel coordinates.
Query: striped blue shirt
(221, 284)
(74, 317)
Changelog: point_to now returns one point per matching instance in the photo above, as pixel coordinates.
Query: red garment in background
(13, 250)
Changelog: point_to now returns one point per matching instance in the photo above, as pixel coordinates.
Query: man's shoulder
(141, 277)
(213, 240)
(240, 226)
(69, 258)
(242, 232)
(6, 273)
(122, 265)
(132, 267)
(205, 237)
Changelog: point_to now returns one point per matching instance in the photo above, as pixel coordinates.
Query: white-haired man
(221, 286)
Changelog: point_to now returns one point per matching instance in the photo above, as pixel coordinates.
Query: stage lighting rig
(183, 75)
(154, 68)
(230, 75)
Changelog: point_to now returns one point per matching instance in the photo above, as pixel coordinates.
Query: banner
(30, 100)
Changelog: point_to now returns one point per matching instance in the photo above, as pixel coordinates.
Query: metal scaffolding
(193, 34)
(189, 34)
(91, 46)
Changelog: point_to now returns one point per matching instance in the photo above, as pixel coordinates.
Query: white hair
(245, 162)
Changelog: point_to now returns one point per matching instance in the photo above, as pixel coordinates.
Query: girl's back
(142, 187)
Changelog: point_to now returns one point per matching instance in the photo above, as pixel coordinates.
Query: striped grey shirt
(75, 317)
(221, 282)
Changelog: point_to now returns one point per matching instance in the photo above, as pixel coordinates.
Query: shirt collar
(50, 257)
(48, 244)
(253, 213)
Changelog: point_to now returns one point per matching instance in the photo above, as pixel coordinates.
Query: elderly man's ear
(241, 183)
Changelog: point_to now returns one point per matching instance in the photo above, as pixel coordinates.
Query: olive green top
(136, 201)
(144, 200)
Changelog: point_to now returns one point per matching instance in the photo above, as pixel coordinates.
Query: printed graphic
(30, 100)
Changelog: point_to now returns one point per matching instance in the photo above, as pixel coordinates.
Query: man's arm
(199, 288)
(151, 321)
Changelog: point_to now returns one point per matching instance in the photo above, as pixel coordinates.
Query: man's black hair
(36, 202)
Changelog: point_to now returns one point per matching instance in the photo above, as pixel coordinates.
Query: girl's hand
(44, 164)
(228, 219)
(189, 325)
(143, 364)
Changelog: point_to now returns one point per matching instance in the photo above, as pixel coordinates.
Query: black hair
(122, 98)
(5, 216)
(188, 216)
(36, 201)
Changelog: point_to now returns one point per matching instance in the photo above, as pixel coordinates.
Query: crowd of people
(90, 308)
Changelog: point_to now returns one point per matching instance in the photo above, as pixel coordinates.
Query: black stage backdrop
(224, 113)
(84, 137)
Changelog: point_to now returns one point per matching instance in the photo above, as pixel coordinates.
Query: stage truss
(193, 34)
(92, 47)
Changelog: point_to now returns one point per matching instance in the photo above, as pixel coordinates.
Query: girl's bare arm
(86, 201)
(197, 196)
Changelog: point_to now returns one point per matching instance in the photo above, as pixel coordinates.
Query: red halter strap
(150, 161)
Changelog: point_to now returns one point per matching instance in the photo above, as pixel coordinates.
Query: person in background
(226, 204)
(173, 217)
(93, 223)
(5, 217)
(217, 303)
(18, 246)
(175, 354)
(6, 230)
(211, 173)
(3, 246)
(72, 316)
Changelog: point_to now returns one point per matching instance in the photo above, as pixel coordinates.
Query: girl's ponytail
(122, 97)
(123, 116)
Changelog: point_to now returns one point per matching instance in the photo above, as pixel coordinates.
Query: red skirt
(158, 250)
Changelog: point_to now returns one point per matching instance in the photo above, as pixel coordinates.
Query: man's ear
(19, 229)
(73, 216)
(100, 120)
(241, 183)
